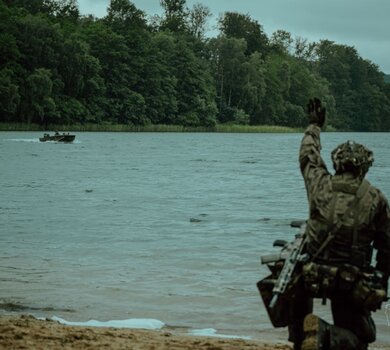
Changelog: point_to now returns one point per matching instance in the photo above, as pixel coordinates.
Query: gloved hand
(315, 112)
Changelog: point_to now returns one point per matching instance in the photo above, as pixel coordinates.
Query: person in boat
(348, 218)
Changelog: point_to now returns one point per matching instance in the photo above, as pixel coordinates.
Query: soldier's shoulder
(376, 193)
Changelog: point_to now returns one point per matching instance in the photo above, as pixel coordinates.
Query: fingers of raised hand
(310, 106)
(317, 105)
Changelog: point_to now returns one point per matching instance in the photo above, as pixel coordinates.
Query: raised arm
(313, 167)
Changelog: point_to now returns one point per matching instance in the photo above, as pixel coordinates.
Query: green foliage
(31, 6)
(38, 105)
(159, 81)
(357, 86)
(233, 115)
(9, 51)
(240, 78)
(194, 90)
(281, 42)
(62, 9)
(237, 25)
(123, 16)
(70, 109)
(9, 95)
(198, 20)
(175, 15)
(60, 68)
(39, 42)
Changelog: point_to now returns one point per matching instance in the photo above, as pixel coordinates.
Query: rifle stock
(271, 258)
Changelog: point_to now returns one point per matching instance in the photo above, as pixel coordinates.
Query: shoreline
(219, 128)
(25, 331)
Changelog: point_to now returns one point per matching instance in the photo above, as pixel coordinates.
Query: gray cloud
(363, 24)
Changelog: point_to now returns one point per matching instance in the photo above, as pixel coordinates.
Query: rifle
(282, 279)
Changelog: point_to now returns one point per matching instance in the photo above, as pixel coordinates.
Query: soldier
(348, 217)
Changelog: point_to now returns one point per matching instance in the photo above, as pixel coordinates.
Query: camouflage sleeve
(382, 237)
(313, 167)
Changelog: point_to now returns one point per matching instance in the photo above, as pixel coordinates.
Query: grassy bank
(222, 128)
(256, 128)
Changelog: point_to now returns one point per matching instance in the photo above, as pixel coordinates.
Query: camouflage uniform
(329, 197)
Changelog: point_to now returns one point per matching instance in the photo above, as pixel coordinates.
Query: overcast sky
(364, 24)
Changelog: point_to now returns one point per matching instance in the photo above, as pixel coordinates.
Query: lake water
(167, 226)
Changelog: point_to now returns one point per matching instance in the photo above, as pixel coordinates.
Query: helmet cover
(352, 157)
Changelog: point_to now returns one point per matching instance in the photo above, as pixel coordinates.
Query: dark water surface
(153, 225)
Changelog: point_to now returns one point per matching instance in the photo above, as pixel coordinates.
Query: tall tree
(62, 9)
(304, 49)
(9, 95)
(159, 80)
(254, 87)
(240, 79)
(32, 6)
(281, 42)
(227, 58)
(353, 82)
(39, 42)
(123, 16)
(175, 15)
(240, 26)
(83, 88)
(121, 74)
(198, 20)
(195, 88)
(38, 105)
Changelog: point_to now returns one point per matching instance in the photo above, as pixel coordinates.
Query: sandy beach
(27, 332)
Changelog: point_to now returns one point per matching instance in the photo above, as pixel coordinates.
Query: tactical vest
(342, 262)
(347, 226)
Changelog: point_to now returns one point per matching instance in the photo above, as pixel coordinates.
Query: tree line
(58, 67)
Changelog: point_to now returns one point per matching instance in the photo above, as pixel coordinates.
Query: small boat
(57, 137)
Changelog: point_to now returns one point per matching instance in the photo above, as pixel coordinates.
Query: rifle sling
(360, 193)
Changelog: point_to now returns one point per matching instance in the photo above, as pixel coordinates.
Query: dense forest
(58, 67)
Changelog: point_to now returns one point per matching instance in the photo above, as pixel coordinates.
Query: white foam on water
(138, 323)
(152, 324)
(22, 140)
(37, 141)
(211, 332)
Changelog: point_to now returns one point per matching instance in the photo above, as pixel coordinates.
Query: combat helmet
(352, 157)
